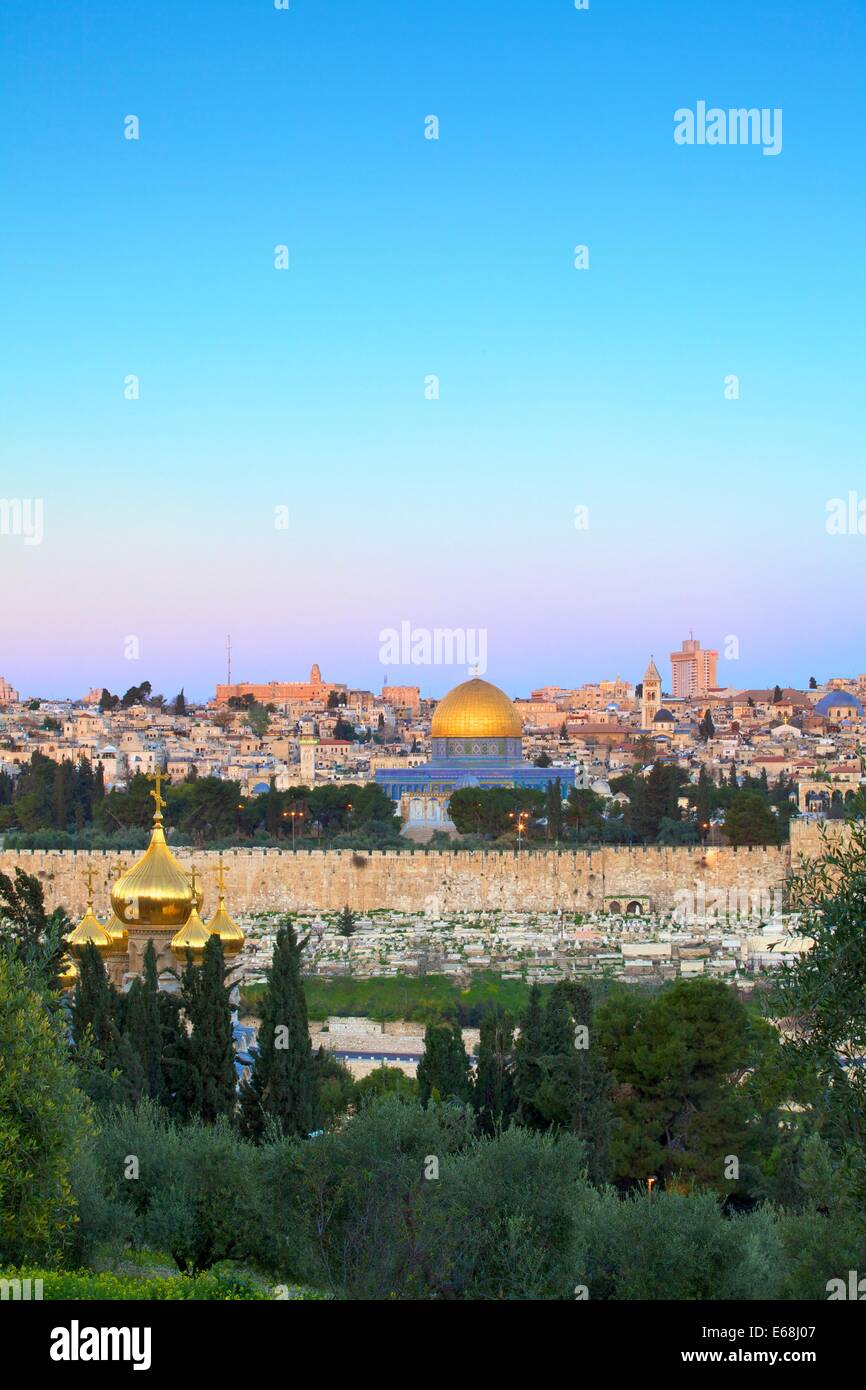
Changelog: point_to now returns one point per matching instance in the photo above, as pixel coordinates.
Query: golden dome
(223, 925)
(227, 930)
(191, 939)
(119, 935)
(476, 709)
(90, 931)
(156, 892)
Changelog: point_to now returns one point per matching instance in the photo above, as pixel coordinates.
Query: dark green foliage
(334, 1087)
(561, 1076)
(493, 1092)
(283, 1085)
(385, 1081)
(493, 811)
(824, 991)
(679, 1059)
(750, 821)
(43, 1120)
(444, 1069)
(209, 1075)
(190, 1189)
(654, 799)
(144, 1026)
(347, 922)
(29, 933)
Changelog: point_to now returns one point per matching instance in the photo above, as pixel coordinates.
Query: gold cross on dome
(158, 800)
(88, 877)
(221, 871)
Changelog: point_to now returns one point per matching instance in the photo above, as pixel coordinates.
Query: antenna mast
(229, 660)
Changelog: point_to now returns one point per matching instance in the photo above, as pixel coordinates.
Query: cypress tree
(444, 1070)
(144, 1027)
(704, 803)
(528, 1052)
(554, 810)
(94, 1003)
(493, 1093)
(283, 1087)
(212, 1082)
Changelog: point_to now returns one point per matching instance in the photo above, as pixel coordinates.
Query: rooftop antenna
(229, 659)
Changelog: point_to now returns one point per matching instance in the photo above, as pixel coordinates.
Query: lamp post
(522, 818)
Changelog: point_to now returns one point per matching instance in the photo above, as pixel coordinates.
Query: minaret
(652, 695)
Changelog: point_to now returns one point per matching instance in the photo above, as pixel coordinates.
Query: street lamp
(522, 818)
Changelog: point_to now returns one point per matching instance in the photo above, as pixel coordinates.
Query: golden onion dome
(89, 932)
(224, 926)
(227, 929)
(67, 973)
(476, 709)
(191, 939)
(156, 892)
(119, 935)
(193, 935)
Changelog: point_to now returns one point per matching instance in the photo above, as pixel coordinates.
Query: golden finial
(88, 879)
(221, 872)
(158, 801)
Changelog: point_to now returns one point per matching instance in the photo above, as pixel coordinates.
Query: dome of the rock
(476, 709)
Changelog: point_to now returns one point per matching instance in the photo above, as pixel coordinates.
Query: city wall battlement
(435, 882)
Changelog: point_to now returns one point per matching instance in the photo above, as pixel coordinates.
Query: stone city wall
(439, 882)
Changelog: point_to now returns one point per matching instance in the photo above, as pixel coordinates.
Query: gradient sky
(305, 388)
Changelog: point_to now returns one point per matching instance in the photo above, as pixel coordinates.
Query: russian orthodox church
(156, 900)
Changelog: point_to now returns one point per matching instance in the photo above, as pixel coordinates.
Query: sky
(582, 482)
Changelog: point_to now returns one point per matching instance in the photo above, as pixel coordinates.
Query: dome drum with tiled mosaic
(476, 720)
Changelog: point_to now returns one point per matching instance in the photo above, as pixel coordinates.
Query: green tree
(258, 719)
(528, 1060)
(43, 1119)
(704, 804)
(143, 1025)
(346, 925)
(679, 1059)
(749, 821)
(825, 989)
(444, 1068)
(584, 810)
(283, 1084)
(706, 728)
(211, 1073)
(493, 1092)
(180, 703)
(554, 810)
(36, 937)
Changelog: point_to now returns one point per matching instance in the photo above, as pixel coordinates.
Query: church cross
(220, 873)
(159, 801)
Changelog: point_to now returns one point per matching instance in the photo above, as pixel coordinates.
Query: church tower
(652, 695)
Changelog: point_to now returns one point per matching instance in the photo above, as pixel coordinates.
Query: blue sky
(409, 257)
